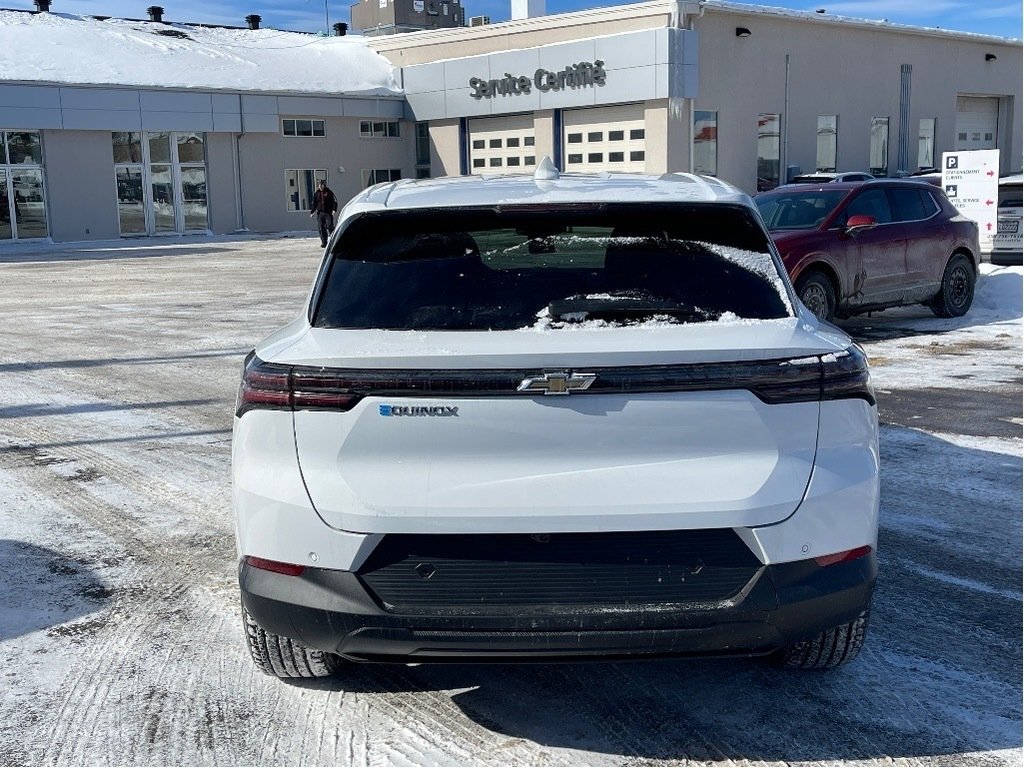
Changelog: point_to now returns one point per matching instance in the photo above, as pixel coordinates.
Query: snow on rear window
(759, 263)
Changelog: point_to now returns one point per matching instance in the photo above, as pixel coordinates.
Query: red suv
(853, 247)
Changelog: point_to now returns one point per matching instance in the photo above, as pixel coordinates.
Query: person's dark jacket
(324, 201)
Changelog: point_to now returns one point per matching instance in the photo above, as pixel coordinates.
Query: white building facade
(745, 93)
(741, 92)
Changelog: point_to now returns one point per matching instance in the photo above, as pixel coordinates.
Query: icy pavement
(119, 634)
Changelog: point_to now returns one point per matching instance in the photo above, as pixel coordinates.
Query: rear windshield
(1010, 196)
(797, 210)
(550, 267)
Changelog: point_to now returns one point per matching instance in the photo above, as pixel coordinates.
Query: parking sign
(970, 180)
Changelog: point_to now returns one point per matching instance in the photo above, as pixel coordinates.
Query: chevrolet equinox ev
(554, 417)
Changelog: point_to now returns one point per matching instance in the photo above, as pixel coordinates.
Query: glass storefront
(161, 182)
(22, 194)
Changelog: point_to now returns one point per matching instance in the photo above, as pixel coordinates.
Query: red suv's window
(872, 202)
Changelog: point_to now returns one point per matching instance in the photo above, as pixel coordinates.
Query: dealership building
(166, 128)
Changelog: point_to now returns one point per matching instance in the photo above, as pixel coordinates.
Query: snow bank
(63, 48)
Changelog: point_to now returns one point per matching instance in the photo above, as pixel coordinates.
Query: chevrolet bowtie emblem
(560, 383)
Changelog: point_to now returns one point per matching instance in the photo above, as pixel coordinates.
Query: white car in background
(1006, 244)
(826, 177)
(554, 418)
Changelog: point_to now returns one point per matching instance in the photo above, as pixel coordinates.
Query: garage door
(605, 139)
(976, 120)
(502, 145)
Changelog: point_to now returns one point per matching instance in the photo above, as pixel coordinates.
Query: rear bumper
(334, 611)
(1006, 258)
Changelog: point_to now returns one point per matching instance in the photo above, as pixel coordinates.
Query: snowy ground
(119, 633)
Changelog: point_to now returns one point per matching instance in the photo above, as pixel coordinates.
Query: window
(828, 133)
(926, 142)
(494, 269)
(478, 162)
(304, 128)
(299, 186)
(512, 141)
(479, 143)
(23, 148)
(381, 176)
(512, 161)
(616, 135)
(907, 205)
(573, 159)
(528, 141)
(529, 160)
(575, 138)
(379, 129)
(768, 151)
(127, 147)
(595, 157)
(616, 157)
(595, 136)
(636, 157)
(495, 162)
(705, 142)
(422, 150)
(878, 154)
(871, 203)
(637, 133)
(494, 143)
(160, 182)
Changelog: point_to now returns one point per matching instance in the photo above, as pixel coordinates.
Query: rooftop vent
(479, 21)
(340, 28)
(253, 20)
(43, 6)
(156, 13)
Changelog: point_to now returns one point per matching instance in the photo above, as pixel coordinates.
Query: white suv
(538, 418)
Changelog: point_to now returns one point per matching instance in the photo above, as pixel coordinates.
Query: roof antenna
(546, 170)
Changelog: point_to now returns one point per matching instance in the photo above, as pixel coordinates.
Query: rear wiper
(578, 308)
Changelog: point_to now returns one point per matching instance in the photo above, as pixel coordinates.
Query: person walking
(325, 205)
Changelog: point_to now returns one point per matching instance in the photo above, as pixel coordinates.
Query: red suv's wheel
(957, 292)
(815, 291)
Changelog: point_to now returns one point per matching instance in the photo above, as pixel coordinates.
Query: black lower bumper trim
(333, 611)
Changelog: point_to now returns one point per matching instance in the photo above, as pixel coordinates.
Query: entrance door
(22, 197)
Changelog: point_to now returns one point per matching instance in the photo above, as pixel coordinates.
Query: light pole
(327, 20)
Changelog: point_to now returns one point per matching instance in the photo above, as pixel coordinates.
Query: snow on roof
(80, 50)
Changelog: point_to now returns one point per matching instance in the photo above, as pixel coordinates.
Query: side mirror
(859, 223)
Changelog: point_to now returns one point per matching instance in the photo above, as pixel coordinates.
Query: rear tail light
(842, 557)
(279, 387)
(845, 375)
(288, 569)
(834, 376)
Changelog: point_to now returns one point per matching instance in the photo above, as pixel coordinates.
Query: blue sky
(996, 17)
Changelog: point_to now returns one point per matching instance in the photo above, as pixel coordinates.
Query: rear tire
(957, 291)
(815, 291)
(830, 649)
(281, 657)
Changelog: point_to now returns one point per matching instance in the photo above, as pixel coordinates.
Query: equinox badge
(561, 383)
